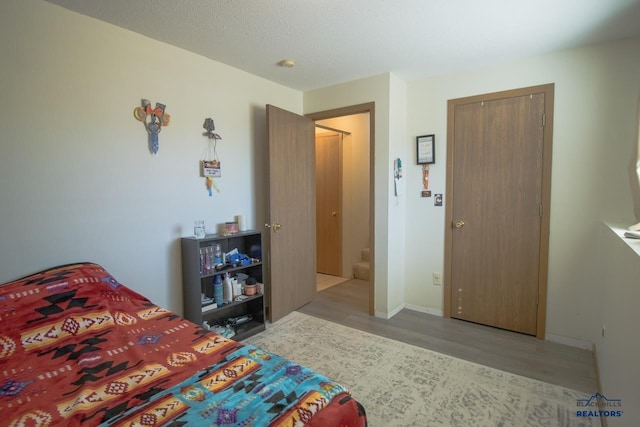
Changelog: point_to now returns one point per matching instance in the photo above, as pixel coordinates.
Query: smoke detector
(287, 63)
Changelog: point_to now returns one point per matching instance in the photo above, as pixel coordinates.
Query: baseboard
(572, 342)
(428, 310)
(390, 314)
(435, 311)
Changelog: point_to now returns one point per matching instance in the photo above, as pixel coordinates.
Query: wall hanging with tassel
(210, 166)
(153, 119)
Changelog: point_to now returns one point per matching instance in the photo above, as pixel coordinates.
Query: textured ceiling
(334, 41)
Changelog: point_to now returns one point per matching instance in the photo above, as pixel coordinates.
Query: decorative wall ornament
(153, 119)
(209, 126)
(425, 180)
(210, 164)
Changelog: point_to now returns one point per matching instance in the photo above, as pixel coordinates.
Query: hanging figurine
(425, 181)
(210, 164)
(153, 119)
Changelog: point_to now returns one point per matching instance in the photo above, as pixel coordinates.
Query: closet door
(498, 209)
(329, 203)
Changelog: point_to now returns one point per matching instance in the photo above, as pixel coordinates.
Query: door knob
(334, 213)
(459, 224)
(275, 226)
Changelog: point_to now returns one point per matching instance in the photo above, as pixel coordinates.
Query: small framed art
(426, 149)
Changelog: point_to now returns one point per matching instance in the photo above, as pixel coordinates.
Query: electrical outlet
(437, 279)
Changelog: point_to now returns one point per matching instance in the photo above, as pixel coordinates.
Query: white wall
(397, 207)
(77, 179)
(596, 92)
(618, 294)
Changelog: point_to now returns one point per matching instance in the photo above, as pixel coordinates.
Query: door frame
(543, 268)
(368, 107)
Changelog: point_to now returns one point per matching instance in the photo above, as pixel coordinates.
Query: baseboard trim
(429, 310)
(572, 342)
(381, 315)
(390, 314)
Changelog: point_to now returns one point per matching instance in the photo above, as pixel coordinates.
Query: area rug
(403, 385)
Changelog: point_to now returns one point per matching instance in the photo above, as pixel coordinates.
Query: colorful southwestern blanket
(79, 348)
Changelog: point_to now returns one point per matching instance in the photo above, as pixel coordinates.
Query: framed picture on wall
(426, 149)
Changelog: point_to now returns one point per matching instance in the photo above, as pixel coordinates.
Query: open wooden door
(292, 211)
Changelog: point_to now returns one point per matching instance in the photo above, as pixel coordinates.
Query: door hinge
(544, 119)
(540, 211)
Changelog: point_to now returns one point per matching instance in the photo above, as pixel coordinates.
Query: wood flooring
(324, 281)
(347, 304)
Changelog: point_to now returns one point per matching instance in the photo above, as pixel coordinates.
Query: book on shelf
(205, 300)
(209, 307)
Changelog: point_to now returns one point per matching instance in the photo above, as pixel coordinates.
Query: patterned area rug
(403, 385)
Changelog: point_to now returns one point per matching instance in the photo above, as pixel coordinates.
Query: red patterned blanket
(79, 348)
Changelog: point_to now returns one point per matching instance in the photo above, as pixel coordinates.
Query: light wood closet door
(496, 211)
(329, 204)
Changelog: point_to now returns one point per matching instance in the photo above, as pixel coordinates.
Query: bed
(79, 348)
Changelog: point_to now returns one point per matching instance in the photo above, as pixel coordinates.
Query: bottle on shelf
(227, 289)
(218, 254)
(237, 288)
(207, 261)
(218, 293)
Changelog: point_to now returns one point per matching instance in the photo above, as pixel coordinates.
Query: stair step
(361, 270)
